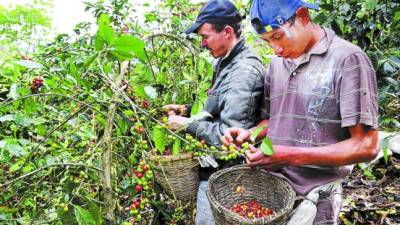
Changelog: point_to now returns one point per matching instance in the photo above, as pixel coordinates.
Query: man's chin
(285, 56)
(213, 55)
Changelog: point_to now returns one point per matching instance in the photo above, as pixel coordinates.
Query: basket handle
(194, 166)
(211, 198)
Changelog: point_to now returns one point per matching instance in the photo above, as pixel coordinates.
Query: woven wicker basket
(270, 191)
(178, 175)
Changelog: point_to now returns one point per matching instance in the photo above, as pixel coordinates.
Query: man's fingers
(228, 136)
(176, 109)
(224, 140)
(167, 107)
(252, 149)
(254, 155)
(242, 136)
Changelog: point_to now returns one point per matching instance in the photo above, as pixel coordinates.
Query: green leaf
(388, 68)
(345, 8)
(23, 120)
(371, 4)
(16, 166)
(366, 170)
(14, 149)
(139, 91)
(266, 147)
(29, 105)
(105, 33)
(176, 147)
(150, 92)
(368, 173)
(384, 147)
(200, 66)
(94, 211)
(83, 217)
(28, 168)
(160, 138)
(4, 209)
(195, 108)
(257, 132)
(8, 117)
(29, 64)
(126, 47)
(198, 104)
(14, 91)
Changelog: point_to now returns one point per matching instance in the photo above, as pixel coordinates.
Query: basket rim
(171, 158)
(220, 207)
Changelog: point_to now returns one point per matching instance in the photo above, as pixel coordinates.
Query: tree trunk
(107, 154)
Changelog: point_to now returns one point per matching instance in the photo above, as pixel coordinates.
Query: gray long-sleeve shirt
(236, 96)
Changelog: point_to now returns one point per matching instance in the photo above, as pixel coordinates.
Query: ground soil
(373, 201)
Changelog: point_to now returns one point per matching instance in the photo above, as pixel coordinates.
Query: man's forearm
(358, 148)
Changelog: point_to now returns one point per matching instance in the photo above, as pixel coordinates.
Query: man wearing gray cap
(322, 109)
(235, 96)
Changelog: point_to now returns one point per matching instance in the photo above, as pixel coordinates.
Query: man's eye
(277, 36)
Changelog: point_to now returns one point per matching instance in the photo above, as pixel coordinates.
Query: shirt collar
(235, 50)
(321, 47)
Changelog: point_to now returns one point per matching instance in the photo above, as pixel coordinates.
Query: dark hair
(237, 28)
(291, 19)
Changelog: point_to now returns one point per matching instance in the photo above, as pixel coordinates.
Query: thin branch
(48, 166)
(151, 66)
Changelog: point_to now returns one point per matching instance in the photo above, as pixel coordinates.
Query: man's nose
(203, 44)
(276, 47)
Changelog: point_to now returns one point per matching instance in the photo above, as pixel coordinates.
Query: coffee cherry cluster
(145, 104)
(142, 181)
(232, 151)
(139, 128)
(37, 82)
(136, 206)
(196, 146)
(142, 176)
(251, 210)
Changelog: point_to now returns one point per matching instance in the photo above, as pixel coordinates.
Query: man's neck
(317, 33)
(232, 45)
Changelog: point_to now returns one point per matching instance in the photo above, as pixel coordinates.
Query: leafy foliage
(372, 25)
(160, 138)
(23, 25)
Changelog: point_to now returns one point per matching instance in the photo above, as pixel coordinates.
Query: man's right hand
(235, 136)
(172, 109)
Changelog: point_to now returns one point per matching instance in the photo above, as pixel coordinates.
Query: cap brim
(311, 5)
(193, 28)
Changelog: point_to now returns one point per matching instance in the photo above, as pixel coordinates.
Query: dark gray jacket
(236, 96)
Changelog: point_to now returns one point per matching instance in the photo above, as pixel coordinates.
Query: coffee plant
(81, 114)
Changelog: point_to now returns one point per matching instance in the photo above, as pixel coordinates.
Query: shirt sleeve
(265, 107)
(358, 97)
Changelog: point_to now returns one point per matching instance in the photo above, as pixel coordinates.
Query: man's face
(288, 41)
(215, 42)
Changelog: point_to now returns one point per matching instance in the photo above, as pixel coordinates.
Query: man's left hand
(177, 122)
(254, 157)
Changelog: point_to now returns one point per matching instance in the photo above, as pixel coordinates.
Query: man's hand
(173, 109)
(177, 122)
(281, 158)
(235, 136)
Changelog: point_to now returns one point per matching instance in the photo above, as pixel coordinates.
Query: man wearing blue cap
(236, 94)
(321, 98)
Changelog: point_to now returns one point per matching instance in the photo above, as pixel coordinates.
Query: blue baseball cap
(216, 12)
(266, 15)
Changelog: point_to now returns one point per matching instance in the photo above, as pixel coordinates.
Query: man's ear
(229, 32)
(303, 16)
